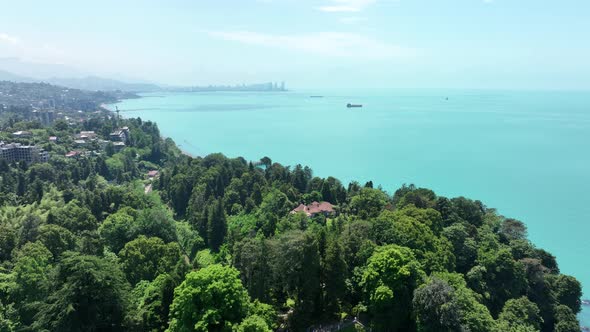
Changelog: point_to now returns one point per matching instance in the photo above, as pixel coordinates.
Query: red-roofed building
(315, 208)
(152, 174)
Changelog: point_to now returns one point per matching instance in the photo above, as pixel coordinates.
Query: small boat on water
(585, 302)
(349, 105)
(316, 96)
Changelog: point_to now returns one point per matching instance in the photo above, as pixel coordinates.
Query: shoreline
(105, 107)
(583, 315)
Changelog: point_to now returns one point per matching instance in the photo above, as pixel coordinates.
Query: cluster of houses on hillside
(119, 138)
(48, 116)
(15, 152)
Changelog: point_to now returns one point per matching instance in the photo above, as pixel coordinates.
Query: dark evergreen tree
(217, 225)
(334, 276)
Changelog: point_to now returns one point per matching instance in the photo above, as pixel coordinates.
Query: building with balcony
(15, 152)
(120, 135)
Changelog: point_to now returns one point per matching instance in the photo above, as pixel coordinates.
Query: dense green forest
(85, 246)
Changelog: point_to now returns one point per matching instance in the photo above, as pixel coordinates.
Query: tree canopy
(92, 243)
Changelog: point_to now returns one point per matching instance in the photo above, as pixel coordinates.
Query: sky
(510, 44)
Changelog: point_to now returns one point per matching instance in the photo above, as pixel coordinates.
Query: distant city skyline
(508, 44)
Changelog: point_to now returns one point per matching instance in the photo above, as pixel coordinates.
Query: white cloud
(334, 44)
(31, 50)
(346, 5)
(8, 38)
(352, 19)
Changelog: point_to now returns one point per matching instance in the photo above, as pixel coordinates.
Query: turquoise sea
(525, 153)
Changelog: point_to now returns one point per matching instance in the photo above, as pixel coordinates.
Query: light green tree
(211, 299)
(389, 280)
(144, 258)
(520, 313)
(369, 202)
(117, 229)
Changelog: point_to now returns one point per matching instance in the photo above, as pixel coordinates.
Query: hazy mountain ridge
(7, 76)
(104, 84)
(92, 83)
(16, 70)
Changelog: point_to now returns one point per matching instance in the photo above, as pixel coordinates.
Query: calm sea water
(525, 153)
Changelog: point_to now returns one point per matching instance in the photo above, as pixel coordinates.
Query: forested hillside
(91, 243)
(45, 95)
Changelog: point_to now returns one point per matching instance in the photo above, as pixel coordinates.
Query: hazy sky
(310, 43)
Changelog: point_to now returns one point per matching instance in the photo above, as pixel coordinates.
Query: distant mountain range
(92, 83)
(6, 76)
(103, 84)
(16, 70)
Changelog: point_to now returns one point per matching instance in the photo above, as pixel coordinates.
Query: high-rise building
(46, 118)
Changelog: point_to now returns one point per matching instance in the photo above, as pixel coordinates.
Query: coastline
(105, 107)
(584, 315)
